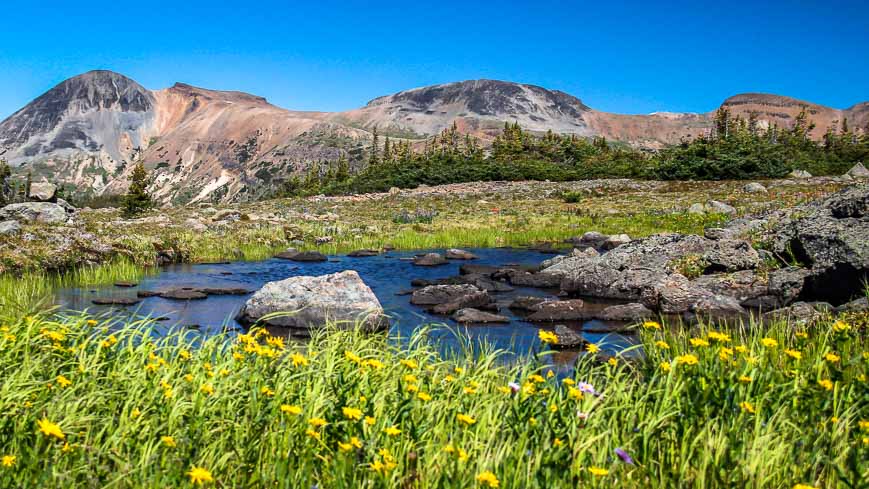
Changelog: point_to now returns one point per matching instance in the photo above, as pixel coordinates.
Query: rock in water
(303, 256)
(312, 302)
(567, 338)
(44, 212)
(363, 253)
(43, 192)
(470, 316)
(442, 294)
(430, 260)
(567, 310)
(456, 254)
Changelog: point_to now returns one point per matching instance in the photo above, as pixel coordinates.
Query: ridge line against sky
(622, 57)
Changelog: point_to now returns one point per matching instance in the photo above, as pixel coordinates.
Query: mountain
(210, 145)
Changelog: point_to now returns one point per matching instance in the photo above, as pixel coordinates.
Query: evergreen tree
(374, 157)
(5, 190)
(137, 200)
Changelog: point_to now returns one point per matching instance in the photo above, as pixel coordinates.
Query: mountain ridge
(218, 145)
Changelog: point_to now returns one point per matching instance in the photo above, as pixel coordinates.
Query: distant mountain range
(208, 145)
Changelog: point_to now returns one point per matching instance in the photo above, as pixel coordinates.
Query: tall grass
(743, 407)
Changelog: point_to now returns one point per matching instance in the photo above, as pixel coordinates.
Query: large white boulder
(312, 302)
(45, 212)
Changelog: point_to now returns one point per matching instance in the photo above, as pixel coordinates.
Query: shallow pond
(389, 276)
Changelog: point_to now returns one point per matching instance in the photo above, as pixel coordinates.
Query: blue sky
(629, 57)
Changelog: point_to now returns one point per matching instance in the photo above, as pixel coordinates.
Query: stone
(593, 239)
(125, 284)
(798, 312)
(457, 254)
(799, 174)
(302, 256)
(716, 207)
(475, 269)
(697, 208)
(475, 316)
(567, 338)
(568, 263)
(363, 253)
(195, 225)
(730, 255)
(114, 301)
(858, 171)
(566, 310)
(473, 300)
(183, 295)
(10, 227)
(313, 302)
(441, 294)
(541, 280)
(44, 212)
(625, 312)
(675, 294)
(42, 192)
(223, 290)
(227, 215)
(615, 241)
(430, 260)
(66, 206)
(857, 305)
(754, 188)
(526, 303)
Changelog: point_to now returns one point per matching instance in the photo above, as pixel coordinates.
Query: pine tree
(5, 173)
(374, 157)
(343, 172)
(387, 151)
(137, 200)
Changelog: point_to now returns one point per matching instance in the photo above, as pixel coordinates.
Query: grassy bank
(707, 408)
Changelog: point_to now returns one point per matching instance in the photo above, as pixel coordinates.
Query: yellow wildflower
(536, 378)
(488, 479)
(665, 366)
(803, 486)
(168, 441)
(745, 379)
(374, 363)
(612, 361)
(313, 434)
(466, 390)
(687, 359)
(422, 396)
(410, 379)
(392, 431)
(598, 472)
(651, 325)
(747, 407)
(351, 413)
(369, 420)
(863, 424)
(298, 359)
(557, 442)
(826, 384)
(317, 422)
(568, 381)
(801, 334)
(458, 370)
(135, 413)
(50, 429)
(63, 381)
(741, 348)
(349, 355)
(547, 337)
(725, 353)
(505, 389)
(698, 342)
(719, 337)
(188, 378)
(184, 354)
(832, 357)
(199, 475)
(592, 348)
(411, 364)
(266, 391)
(796, 355)
(662, 345)
(464, 418)
(8, 460)
(574, 393)
(291, 409)
(841, 326)
(207, 389)
(769, 342)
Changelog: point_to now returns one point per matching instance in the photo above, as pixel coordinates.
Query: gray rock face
(858, 171)
(563, 264)
(472, 316)
(342, 298)
(542, 280)
(615, 241)
(799, 312)
(832, 239)
(473, 300)
(430, 260)
(42, 192)
(859, 305)
(626, 312)
(8, 228)
(526, 303)
(754, 188)
(730, 255)
(457, 254)
(675, 294)
(44, 212)
(441, 294)
(551, 311)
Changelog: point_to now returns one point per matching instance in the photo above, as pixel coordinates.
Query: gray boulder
(697, 208)
(858, 171)
(615, 241)
(625, 312)
(44, 212)
(590, 238)
(552, 311)
(858, 305)
(195, 225)
(441, 294)
(716, 207)
(567, 338)
(43, 192)
(312, 302)
(541, 280)
(730, 255)
(754, 188)
(799, 174)
(675, 294)
(430, 260)
(457, 254)
(473, 300)
(8, 228)
(301, 256)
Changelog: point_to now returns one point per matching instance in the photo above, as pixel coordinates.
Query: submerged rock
(625, 312)
(473, 300)
(433, 295)
(183, 295)
(301, 256)
(363, 253)
(115, 301)
(526, 303)
(469, 315)
(457, 254)
(312, 302)
(430, 260)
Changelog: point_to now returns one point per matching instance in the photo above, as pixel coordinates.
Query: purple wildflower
(587, 388)
(624, 456)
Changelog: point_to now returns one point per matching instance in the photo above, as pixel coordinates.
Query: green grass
(228, 404)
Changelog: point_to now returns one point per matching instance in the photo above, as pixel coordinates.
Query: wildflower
(345, 447)
(392, 431)
(574, 393)
(458, 370)
(313, 434)
(63, 381)
(769, 342)
(826, 384)
(488, 479)
(863, 424)
(238, 356)
(557, 442)
(741, 348)
(55, 336)
(719, 337)
(167, 393)
(207, 389)
(317, 422)
(199, 475)
(832, 357)
(266, 391)
(374, 363)
(804, 486)
(466, 390)
(349, 355)
(184, 354)
(747, 407)
(745, 379)
(698, 342)
(841, 326)
(662, 345)
(351, 413)
(538, 379)
(514, 387)
(505, 389)
(592, 348)
(464, 418)
(553, 408)
(651, 325)
(598, 472)
(801, 334)
(547, 337)
(188, 378)
(587, 388)
(612, 361)
(411, 364)
(135, 413)
(276, 342)
(449, 378)
(291, 409)
(298, 360)
(422, 396)
(410, 379)
(568, 381)
(369, 420)
(91, 322)
(687, 359)
(550, 374)
(50, 429)
(168, 441)
(622, 454)
(665, 367)
(66, 448)
(8, 460)
(725, 353)
(796, 355)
